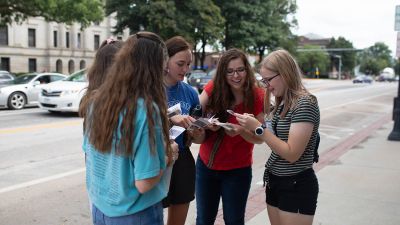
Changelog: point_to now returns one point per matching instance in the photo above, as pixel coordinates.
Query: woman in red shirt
(223, 168)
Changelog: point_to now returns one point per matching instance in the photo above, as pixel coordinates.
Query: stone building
(37, 45)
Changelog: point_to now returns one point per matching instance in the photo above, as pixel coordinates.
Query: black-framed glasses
(239, 71)
(267, 81)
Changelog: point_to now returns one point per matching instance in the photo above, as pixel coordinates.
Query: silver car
(5, 78)
(25, 89)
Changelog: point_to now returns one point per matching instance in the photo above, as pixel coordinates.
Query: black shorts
(297, 194)
(181, 188)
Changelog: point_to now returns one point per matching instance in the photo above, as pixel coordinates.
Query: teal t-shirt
(110, 178)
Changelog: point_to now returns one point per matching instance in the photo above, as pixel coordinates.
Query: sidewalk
(361, 186)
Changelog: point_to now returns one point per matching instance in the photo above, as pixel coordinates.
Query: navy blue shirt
(184, 94)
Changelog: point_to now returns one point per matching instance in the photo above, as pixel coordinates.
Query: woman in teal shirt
(126, 137)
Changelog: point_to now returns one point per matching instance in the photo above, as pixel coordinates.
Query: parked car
(25, 89)
(193, 77)
(363, 79)
(203, 81)
(6, 78)
(66, 95)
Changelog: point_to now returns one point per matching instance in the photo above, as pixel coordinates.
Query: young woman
(126, 139)
(97, 73)
(181, 190)
(223, 168)
(291, 184)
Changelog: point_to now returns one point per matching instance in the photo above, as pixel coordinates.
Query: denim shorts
(152, 215)
(297, 193)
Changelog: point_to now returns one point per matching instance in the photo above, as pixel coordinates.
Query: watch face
(259, 131)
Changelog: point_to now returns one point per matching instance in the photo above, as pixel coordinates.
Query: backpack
(316, 155)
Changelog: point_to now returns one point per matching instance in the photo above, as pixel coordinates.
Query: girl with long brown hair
(223, 168)
(126, 137)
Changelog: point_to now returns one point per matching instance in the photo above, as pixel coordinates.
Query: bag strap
(218, 141)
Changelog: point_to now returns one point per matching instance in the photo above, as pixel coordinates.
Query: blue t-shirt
(110, 178)
(186, 95)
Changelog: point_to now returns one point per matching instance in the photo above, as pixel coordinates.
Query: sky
(362, 22)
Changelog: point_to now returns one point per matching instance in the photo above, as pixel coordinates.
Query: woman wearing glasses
(291, 184)
(223, 168)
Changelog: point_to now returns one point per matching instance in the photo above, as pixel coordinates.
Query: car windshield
(79, 76)
(24, 79)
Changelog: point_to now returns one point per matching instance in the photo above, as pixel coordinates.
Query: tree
(66, 11)
(207, 27)
(309, 61)
(272, 27)
(240, 21)
(348, 57)
(200, 22)
(375, 58)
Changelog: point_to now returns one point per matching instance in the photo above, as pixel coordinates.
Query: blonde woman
(291, 183)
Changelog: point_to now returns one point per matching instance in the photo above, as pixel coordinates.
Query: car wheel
(17, 100)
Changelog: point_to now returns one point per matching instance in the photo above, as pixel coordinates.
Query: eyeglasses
(267, 81)
(239, 71)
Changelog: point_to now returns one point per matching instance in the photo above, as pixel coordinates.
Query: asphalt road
(42, 165)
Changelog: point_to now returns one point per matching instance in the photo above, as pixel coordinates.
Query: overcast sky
(362, 22)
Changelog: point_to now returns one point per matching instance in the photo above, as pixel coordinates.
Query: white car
(24, 90)
(66, 95)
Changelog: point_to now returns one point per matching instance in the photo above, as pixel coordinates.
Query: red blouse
(233, 152)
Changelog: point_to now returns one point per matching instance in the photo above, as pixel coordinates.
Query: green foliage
(348, 57)
(310, 60)
(272, 27)
(67, 11)
(375, 58)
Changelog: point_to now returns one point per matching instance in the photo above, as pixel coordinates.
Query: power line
(329, 50)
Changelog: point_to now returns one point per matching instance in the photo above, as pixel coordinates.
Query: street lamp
(395, 134)
(340, 64)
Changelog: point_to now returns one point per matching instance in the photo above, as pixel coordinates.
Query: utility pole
(340, 65)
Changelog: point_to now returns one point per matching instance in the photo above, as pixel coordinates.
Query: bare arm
(146, 185)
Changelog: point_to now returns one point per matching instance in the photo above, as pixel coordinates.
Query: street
(42, 176)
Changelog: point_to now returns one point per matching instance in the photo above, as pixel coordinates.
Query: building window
(67, 39)
(32, 65)
(71, 66)
(96, 41)
(5, 63)
(119, 38)
(55, 39)
(31, 37)
(59, 68)
(96, 23)
(82, 64)
(4, 35)
(78, 40)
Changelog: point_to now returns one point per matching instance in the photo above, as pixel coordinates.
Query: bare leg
(273, 214)
(288, 218)
(177, 214)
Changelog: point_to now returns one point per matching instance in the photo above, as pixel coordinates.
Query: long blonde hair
(283, 63)
(137, 73)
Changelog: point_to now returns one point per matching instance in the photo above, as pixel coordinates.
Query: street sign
(397, 19)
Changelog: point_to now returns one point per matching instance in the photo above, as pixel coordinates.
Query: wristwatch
(260, 130)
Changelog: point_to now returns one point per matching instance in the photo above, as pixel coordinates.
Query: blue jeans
(232, 185)
(153, 215)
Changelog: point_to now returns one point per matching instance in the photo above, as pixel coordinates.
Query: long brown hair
(97, 72)
(222, 97)
(283, 63)
(136, 74)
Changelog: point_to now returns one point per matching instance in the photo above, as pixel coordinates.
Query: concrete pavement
(359, 181)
